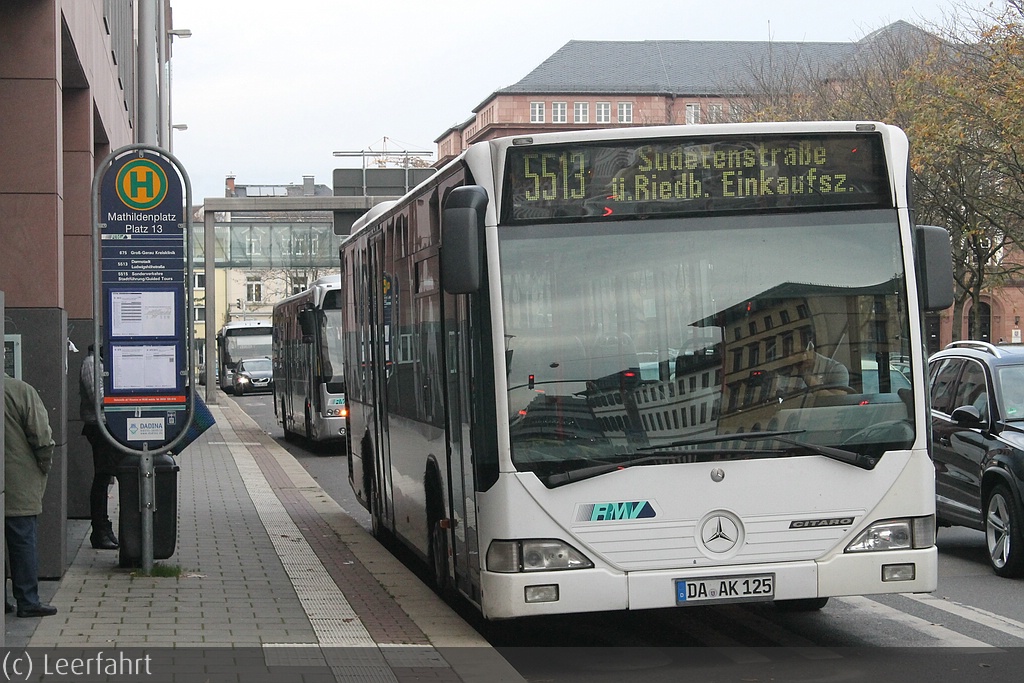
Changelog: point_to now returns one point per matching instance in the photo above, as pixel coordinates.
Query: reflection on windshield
(642, 335)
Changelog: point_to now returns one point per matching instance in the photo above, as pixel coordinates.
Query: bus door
(378, 386)
(458, 390)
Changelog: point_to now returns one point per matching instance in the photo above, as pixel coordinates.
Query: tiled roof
(681, 67)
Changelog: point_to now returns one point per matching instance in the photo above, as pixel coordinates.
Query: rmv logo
(606, 512)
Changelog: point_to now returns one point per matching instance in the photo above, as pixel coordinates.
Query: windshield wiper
(718, 438)
(866, 462)
(562, 478)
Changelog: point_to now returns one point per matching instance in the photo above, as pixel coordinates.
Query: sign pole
(147, 498)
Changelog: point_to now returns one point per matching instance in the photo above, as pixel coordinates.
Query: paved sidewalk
(274, 574)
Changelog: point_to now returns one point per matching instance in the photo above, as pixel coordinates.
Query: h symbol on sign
(147, 183)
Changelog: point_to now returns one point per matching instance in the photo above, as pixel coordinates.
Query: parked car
(898, 379)
(253, 374)
(977, 404)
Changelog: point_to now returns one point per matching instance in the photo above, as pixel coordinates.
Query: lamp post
(165, 94)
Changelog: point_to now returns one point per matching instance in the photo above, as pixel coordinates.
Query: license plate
(725, 589)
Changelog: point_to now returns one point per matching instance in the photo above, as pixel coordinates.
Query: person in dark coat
(104, 454)
(28, 454)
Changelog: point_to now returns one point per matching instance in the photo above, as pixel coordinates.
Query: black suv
(977, 404)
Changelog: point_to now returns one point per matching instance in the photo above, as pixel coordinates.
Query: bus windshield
(653, 338)
(246, 343)
(331, 350)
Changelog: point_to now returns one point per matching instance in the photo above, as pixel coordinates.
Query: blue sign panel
(143, 259)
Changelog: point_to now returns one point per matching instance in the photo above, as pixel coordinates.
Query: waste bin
(165, 518)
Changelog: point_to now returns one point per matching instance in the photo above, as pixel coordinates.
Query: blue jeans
(21, 549)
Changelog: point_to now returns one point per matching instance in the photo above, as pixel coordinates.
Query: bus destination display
(695, 175)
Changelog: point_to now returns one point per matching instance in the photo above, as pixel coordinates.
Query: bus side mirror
(307, 322)
(462, 239)
(935, 263)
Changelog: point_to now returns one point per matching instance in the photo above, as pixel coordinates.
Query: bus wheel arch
(437, 529)
(284, 422)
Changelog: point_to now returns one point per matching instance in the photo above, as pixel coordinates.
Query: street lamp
(171, 34)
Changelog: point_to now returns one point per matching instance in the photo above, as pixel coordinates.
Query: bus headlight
(895, 534)
(534, 555)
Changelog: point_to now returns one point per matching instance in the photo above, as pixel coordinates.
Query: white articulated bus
(237, 341)
(309, 385)
(650, 367)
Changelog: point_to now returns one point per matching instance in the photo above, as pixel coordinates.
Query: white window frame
(559, 112)
(299, 283)
(692, 113)
(625, 112)
(603, 112)
(536, 112)
(581, 112)
(716, 113)
(253, 289)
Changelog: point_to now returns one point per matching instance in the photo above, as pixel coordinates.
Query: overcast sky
(270, 89)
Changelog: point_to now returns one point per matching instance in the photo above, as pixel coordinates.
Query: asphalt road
(971, 628)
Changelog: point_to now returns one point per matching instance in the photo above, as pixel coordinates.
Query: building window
(198, 280)
(558, 112)
(200, 314)
(693, 113)
(536, 112)
(299, 283)
(581, 112)
(253, 289)
(715, 114)
(625, 112)
(603, 112)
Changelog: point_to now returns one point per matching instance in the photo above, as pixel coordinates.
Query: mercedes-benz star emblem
(719, 534)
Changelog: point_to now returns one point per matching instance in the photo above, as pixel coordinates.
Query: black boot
(103, 537)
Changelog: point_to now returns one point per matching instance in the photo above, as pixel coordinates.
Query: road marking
(943, 636)
(979, 616)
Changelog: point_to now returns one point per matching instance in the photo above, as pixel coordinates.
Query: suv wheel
(1003, 535)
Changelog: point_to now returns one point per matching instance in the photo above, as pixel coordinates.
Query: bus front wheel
(801, 605)
(439, 557)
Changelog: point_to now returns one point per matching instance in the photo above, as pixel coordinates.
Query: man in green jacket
(28, 453)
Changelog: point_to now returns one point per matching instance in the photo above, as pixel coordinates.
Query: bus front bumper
(594, 590)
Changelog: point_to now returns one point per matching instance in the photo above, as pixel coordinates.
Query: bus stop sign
(143, 265)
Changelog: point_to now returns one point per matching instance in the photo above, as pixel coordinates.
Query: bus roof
(242, 324)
